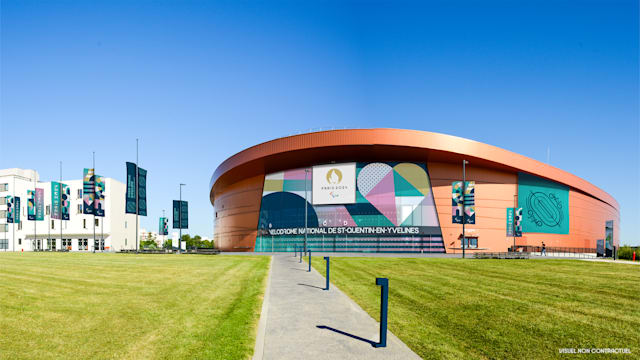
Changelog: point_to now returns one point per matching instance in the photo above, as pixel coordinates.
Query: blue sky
(200, 81)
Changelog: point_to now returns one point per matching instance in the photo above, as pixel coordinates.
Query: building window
(4, 228)
(4, 187)
(52, 225)
(84, 223)
(97, 222)
(66, 244)
(3, 200)
(125, 224)
(82, 244)
(19, 241)
(472, 243)
(4, 244)
(20, 225)
(3, 213)
(51, 244)
(47, 209)
(79, 193)
(79, 209)
(98, 244)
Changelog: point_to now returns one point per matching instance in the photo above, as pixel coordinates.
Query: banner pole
(137, 185)
(35, 217)
(180, 220)
(94, 201)
(13, 227)
(162, 227)
(60, 203)
(464, 188)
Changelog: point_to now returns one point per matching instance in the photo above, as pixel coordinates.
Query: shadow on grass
(372, 343)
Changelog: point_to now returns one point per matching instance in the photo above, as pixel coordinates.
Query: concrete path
(628, 262)
(303, 321)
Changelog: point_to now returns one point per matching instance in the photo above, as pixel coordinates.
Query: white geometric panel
(275, 176)
(405, 205)
(371, 175)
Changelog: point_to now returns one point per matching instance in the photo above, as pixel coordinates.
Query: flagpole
(94, 202)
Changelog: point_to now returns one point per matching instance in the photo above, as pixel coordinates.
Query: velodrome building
(391, 190)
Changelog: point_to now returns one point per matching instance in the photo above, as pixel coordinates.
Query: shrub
(626, 252)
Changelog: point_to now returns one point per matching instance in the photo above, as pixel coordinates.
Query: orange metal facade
(236, 185)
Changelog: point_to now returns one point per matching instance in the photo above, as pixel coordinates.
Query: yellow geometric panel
(415, 175)
(273, 185)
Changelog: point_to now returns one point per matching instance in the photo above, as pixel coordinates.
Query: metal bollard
(309, 260)
(326, 287)
(384, 304)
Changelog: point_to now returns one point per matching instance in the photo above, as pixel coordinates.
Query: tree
(149, 242)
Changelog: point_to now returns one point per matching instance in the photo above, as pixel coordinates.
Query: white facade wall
(116, 228)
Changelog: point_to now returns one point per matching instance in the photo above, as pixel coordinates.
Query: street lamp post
(306, 171)
(464, 189)
(163, 220)
(513, 223)
(94, 202)
(180, 219)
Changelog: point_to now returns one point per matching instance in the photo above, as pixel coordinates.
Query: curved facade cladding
(389, 190)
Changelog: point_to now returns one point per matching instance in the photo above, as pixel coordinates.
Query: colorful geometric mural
(389, 197)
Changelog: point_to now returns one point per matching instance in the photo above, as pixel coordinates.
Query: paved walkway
(629, 262)
(303, 321)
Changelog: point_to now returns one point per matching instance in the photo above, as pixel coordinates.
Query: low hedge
(626, 252)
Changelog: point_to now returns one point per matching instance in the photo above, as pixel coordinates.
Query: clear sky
(200, 81)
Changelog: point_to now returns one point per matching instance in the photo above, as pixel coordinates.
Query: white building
(159, 239)
(113, 232)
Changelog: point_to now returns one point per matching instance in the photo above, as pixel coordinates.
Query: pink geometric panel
(334, 216)
(296, 174)
(383, 198)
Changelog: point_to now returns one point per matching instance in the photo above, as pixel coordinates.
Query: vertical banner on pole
(132, 185)
(184, 221)
(55, 200)
(16, 218)
(88, 191)
(39, 204)
(163, 229)
(460, 202)
(142, 192)
(517, 218)
(176, 214)
(10, 209)
(65, 207)
(510, 225)
(99, 195)
(31, 205)
(180, 209)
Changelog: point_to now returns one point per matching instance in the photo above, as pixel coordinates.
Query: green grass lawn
(480, 309)
(79, 306)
